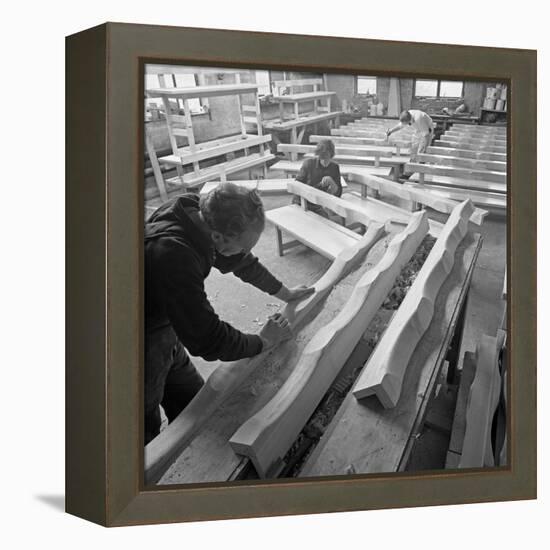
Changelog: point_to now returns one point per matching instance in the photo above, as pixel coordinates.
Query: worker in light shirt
(423, 130)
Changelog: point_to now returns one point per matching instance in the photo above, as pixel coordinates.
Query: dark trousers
(171, 379)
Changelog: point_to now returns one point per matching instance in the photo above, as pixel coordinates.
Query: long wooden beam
(164, 449)
(412, 193)
(451, 160)
(266, 437)
(456, 172)
(385, 370)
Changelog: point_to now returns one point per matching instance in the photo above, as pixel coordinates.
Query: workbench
(363, 437)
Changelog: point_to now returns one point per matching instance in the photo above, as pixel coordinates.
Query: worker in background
(184, 239)
(423, 126)
(322, 173)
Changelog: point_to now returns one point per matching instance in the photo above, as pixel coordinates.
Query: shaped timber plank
(482, 402)
(365, 437)
(455, 171)
(460, 183)
(418, 194)
(266, 437)
(161, 452)
(385, 370)
(262, 186)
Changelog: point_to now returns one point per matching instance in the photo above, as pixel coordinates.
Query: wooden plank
(466, 153)
(413, 193)
(266, 437)
(486, 200)
(467, 144)
(340, 149)
(304, 120)
(482, 403)
(488, 139)
(356, 142)
(366, 138)
(385, 370)
(230, 167)
(384, 212)
(476, 164)
(456, 172)
(302, 97)
(162, 451)
(398, 162)
(293, 167)
(324, 236)
(366, 438)
(239, 142)
(349, 211)
(262, 186)
(460, 183)
(298, 82)
(202, 91)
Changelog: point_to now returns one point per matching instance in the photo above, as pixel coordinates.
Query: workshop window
(424, 88)
(263, 79)
(180, 80)
(366, 85)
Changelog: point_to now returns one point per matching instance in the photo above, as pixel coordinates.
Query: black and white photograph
(325, 274)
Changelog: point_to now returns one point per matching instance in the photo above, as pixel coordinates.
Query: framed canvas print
(301, 274)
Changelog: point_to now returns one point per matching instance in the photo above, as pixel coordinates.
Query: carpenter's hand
(388, 134)
(296, 293)
(276, 330)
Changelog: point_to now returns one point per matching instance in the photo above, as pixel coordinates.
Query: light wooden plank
(266, 437)
(303, 120)
(298, 82)
(475, 164)
(456, 172)
(414, 193)
(466, 153)
(202, 91)
(302, 97)
(161, 452)
(385, 370)
(384, 212)
(460, 183)
(238, 143)
(467, 144)
(293, 167)
(262, 186)
(324, 236)
(398, 162)
(230, 167)
(482, 403)
(345, 141)
(485, 200)
(341, 149)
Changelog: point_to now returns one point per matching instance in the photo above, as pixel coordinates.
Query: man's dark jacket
(179, 254)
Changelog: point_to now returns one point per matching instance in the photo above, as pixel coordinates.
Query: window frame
(357, 77)
(438, 91)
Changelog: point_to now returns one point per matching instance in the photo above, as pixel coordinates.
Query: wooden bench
(466, 153)
(474, 164)
(293, 167)
(455, 172)
(468, 144)
(262, 186)
(220, 171)
(397, 164)
(459, 183)
(390, 147)
(322, 235)
(493, 201)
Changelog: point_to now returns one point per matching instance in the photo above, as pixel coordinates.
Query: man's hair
(325, 149)
(231, 209)
(405, 116)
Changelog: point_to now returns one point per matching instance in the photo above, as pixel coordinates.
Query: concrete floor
(247, 309)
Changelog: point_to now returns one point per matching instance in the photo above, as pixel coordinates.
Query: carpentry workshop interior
(356, 319)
